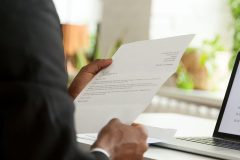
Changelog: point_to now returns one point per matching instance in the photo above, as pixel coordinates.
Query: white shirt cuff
(101, 150)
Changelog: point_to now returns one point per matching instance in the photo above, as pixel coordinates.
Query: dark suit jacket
(36, 113)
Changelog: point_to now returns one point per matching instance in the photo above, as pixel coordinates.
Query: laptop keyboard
(213, 142)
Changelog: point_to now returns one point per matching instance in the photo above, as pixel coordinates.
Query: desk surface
(186, 126)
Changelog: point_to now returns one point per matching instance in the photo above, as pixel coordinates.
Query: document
(155, 135)
(127, 86)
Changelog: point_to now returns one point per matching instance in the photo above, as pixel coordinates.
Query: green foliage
(209, 51)
(80, 60)
(116, 46)
(210, 48)
(184, 80)
(235, 9)
(95, 48)
(191, 50)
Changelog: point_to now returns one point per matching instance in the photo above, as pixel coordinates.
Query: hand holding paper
(85, 75)
(125, 88)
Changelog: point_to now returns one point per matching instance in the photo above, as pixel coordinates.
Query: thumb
(96, 66)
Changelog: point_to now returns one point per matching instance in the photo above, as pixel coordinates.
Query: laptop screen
(230, 123)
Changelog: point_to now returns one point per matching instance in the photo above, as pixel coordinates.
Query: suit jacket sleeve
(36, 113)
(100, 155)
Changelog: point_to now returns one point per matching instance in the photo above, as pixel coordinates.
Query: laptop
(225, 142)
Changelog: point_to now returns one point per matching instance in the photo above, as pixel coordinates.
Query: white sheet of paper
(154, 135)
(124, 89)
(159, 134)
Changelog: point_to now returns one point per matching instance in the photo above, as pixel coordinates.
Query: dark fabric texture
(36, 113)
(100, 155)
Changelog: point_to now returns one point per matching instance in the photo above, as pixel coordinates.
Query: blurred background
(94, 29)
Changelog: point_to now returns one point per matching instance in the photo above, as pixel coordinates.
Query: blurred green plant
(80, 60)
(83, 57)
(184, 79)
(92, 53)
(235, 9)
(209, 51)
(116, 46)
(207, 55)
(94, 48)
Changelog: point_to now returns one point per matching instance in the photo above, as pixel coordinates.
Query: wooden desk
(186, 126)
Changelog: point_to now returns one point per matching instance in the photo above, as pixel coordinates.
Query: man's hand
(122, 141)
(85, 75)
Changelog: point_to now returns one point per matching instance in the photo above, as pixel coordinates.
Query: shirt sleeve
(100, 150)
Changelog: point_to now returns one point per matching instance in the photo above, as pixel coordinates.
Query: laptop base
(200, 149)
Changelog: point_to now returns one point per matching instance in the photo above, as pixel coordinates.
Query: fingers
(97, 65)
(136, 125)
(143, 131)
(128, 140)
(115, 120)
(141, 127)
